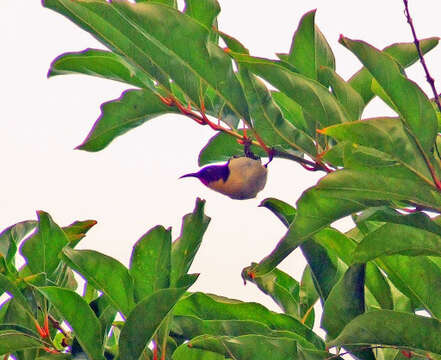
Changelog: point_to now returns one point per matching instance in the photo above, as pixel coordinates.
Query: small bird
(240, 178)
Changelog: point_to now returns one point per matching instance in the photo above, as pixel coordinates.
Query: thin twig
(429, 78)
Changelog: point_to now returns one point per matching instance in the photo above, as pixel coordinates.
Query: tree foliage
(384, 172)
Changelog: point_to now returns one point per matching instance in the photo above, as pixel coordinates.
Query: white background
(133, 184)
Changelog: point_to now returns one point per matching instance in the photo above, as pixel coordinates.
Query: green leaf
(105, 274)
(387, 135)
(185, 247)
(99, 63)
(80, 317)
(392, 239)
(150, 262)
(345, 192)
(282, 288)
(292, 111)
(347, 96)
(404, 53)
(268, 120)
(205, 12)
(308, 297)
(413, 105)
(141, 33)
(11, 236)
(189, 327)
(344, 303)
(254, 347)
(386, 327)
(416, 277)
(105, 312)
(313, 97)
(342, 246)
(309, 49)
(221, 147)
(207, 307)
(131, 110)
(324, 266)
(145, 319)
(284, 212)
(42, 250)
(184, 352)
(77, 230)
(12, 340)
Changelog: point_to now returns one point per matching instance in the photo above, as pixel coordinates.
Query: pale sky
(133, 184)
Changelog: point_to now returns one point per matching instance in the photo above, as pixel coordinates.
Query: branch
(429, 78)
(202, 119)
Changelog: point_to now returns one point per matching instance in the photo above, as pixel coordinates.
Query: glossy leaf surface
(132, 109)
(150, 262)
(185, 247)
(42, 249)
(145, 319)
(99, 63)
(105, 274)
(80, 317)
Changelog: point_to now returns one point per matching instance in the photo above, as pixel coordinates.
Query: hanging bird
(240, 178)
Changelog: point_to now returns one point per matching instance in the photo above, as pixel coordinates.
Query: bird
(240, 178)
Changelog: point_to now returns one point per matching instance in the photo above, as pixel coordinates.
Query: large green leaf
(291, 110)
(105, 274)
(344, 303)
(145, 319)
(254, 347)
(184, 352)
(386, 327)
(314, 98)
(404, 53)
(141, 33)
(268, 119)
(393, 239)
(11, 236)
(207, 307)
(189, 327)
(99, 63)
(387, 135)
(324, 266)
(80, 317)
(343, 247)
(205, 12)
(309, 49)
(185, 247)
(347, 96)
(13, 340)
(345, 192)
(132, 109)
(282, 288)
(413, 105)
(42, 250)
(150, 262)
(417, 278)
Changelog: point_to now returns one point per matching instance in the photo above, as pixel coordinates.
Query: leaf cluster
(384, 172)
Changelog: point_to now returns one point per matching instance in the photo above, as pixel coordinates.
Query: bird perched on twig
(240, 178)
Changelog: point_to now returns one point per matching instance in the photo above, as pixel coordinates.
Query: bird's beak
(189, 175)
